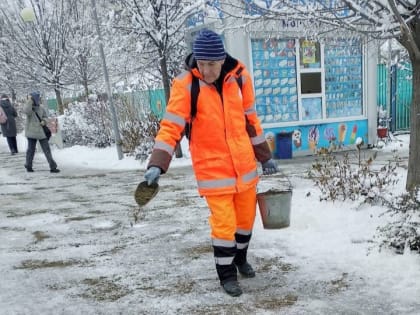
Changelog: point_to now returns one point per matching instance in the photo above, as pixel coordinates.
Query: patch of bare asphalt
(103, 289)
(222, 308)
(12, 228)
(276, 302)
(40, 236)
(111, 251)
(15, 214)
(78, 218)
(19, 184)
(21, 196)
(84, 176)
(33, 264)
(274, 263)
(198, 250)
(335, 286)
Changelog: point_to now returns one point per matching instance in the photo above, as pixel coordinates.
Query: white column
(237, 45)
(370, 80)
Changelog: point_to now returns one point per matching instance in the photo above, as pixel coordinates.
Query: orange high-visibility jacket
(226, 136)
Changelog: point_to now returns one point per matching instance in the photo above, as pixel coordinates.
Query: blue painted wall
(310, 138)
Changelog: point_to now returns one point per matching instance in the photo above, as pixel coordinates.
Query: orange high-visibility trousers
(231, 212)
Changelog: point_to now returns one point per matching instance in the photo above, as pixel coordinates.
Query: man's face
(210, 70)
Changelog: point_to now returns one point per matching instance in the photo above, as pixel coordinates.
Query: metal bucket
(275, 208)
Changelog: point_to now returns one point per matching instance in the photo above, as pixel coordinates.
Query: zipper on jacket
(218, 84)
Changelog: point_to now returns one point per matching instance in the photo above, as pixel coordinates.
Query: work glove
(152, 175)
(269, 167)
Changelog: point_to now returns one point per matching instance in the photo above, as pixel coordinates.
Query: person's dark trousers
(30, 153)
(11, 141)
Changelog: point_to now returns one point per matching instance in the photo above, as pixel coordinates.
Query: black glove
(269, 167)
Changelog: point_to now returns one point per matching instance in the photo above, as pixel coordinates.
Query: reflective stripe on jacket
(226, 137)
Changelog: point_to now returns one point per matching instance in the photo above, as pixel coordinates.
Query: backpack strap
(239, 77)
(195, 89)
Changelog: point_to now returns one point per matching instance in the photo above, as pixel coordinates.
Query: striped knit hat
(208, 46)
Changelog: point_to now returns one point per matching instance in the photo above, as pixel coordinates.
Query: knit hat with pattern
(208, 46)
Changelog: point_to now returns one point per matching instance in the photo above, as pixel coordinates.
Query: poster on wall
(308, 52)
(274, 64)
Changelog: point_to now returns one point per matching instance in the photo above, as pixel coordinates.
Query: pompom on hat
(208, 46)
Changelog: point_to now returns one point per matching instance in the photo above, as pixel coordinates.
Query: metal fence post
(108, 86)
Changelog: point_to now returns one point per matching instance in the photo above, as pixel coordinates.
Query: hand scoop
(144, 193)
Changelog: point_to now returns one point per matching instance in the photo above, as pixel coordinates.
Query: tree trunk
(165, 78)
(86, 88)
(413, 174)
(166, 86)
(13, 95)
(60, 106)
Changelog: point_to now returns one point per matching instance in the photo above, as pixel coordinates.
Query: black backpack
(195, 90)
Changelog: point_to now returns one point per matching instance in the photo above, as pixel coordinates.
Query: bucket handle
(282, 174)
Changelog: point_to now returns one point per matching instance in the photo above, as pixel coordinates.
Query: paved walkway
(70, 244)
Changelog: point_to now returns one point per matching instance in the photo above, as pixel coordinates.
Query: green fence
(382, 88)
(401, 96)
(144, 101)
(157, 102)
(398, 94)
(150, 100)
(53, 105)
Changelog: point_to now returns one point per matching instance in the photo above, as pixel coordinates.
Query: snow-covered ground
(70, 244)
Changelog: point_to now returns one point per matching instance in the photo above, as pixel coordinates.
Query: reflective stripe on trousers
(231, 220)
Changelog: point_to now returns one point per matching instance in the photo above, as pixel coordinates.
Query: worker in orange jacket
(226, 141)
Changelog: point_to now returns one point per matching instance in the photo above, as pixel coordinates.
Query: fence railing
(396, 95)
(143, 101)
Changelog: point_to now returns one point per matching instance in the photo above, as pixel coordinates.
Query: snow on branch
(381, 19)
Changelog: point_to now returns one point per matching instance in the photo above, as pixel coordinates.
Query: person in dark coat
(8, 129)
(34, 132)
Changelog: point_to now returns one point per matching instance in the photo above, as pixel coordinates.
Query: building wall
(318, 94)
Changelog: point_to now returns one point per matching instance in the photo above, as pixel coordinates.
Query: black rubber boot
(246, 270)
(225, 267)
(29, 169)
(232, 288)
